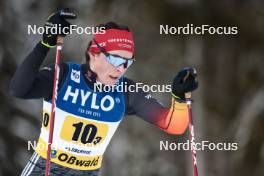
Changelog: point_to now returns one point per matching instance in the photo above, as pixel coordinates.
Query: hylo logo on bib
(106, 103)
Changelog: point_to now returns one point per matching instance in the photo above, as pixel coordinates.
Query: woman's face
(106, 73)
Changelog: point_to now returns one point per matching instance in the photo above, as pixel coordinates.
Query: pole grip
(60, 40)
(188, 95)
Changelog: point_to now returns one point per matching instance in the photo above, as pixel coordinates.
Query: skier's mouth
(113, 77)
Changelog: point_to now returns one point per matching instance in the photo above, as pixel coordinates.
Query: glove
(57, 20)
(185, 81)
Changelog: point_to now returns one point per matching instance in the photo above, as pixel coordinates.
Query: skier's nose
(121, 68)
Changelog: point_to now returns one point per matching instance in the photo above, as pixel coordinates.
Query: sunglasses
(114, 59)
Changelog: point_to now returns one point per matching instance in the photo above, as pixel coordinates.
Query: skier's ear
(91, 55)
(88, 52)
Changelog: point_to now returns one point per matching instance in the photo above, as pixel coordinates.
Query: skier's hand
(185, 81)
(57, 20)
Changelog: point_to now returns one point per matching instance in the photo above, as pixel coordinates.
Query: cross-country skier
(86, 119)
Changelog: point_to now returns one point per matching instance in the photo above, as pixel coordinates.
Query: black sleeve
(141, 103)
(29, 81)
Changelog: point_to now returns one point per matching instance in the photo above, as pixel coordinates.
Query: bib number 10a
(86, 133)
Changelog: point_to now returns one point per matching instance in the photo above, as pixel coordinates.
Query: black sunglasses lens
(125, 64)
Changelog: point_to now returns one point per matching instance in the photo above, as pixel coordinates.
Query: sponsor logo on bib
(106, 103)
(75, 76)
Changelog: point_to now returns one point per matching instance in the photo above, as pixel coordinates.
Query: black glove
(185, 81)
(57, 20)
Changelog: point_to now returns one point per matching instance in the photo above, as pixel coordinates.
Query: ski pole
(54, 98)
(191, 133)
(188, 99)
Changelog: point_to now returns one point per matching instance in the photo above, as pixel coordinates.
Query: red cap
(113, 39)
